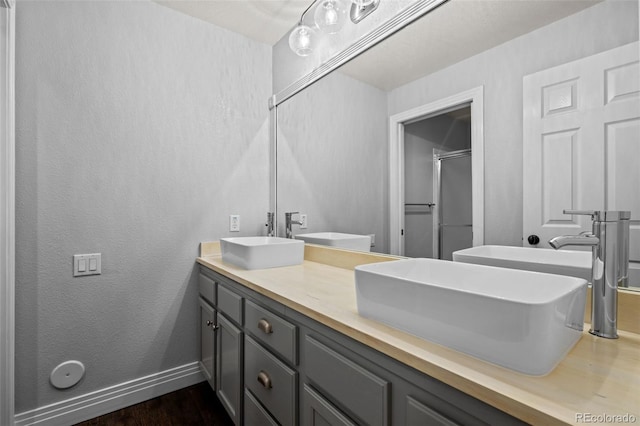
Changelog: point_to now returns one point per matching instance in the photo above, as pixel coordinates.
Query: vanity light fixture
(329, 17)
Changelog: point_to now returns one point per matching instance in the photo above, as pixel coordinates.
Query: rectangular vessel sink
(521, 320)
(338, 239)
(562, 262)
(262, 252)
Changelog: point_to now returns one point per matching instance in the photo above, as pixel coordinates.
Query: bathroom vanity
(287, 346)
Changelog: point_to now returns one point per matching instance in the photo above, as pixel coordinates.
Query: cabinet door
(317, 411)
(229, 367)
(420, 414)
(207, 342)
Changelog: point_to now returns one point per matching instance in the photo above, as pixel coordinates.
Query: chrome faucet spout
(270, 224)
(584, 239)
(290, 221)
(609, 240)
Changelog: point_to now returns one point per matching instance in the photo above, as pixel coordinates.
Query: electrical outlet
(234, 223)
(373, 240)
(303, 219)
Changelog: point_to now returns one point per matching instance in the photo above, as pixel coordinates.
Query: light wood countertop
(598, 376)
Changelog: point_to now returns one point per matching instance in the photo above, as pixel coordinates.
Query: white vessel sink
(338, 239)
(262, 252)
(525, 321)
(561, 262)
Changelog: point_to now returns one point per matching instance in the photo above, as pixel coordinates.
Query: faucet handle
(593, 213)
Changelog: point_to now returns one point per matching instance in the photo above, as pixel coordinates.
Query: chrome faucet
(609, 240)
(289, 221)
(270, 224)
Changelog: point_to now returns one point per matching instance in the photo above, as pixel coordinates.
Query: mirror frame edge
(386, 29)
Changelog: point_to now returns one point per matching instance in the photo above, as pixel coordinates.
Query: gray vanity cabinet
(229, 367)
(207, 341)
(317, 411)
(221, 342)
(207, 287)
(276, 366)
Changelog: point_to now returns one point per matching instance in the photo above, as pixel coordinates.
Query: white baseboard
(93, 404)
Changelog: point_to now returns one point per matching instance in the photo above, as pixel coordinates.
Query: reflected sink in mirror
(262, 252)
(563, 262)
(521, 320)
(338, 239)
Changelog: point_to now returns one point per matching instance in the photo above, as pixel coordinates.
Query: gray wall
(332, 158)
(500, 70)
(139, 130)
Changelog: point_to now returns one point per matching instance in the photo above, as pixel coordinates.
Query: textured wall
(332, 158)
(139, 130)
(500, 70)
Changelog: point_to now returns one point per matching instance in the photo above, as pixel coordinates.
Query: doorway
(437, 184)
(472, 99)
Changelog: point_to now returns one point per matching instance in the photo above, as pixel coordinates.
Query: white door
(582, 144)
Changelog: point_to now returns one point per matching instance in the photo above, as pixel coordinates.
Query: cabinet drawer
(254, 413)
(272, 382)
(362, 392)
(420, 414)
(317, 411)
(207, 288)
(230, 303)
(275, 332)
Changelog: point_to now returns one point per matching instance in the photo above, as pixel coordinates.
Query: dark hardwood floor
(195, 405)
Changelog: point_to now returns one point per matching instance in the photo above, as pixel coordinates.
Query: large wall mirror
(452, 81)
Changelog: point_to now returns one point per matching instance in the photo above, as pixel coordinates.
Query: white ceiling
(452, 32)
(265, 21)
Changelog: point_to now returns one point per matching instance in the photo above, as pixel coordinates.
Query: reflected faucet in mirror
(270, 224)
(609, 240)
(289, 221)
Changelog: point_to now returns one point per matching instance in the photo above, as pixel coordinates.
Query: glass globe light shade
(301, 40)
(362, 3)
(330, 16)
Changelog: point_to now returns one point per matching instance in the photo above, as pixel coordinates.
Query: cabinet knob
(264, 380)
(209, 323)
(265, 326)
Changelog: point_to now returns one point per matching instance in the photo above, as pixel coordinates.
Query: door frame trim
(7, 216)
(474, 97)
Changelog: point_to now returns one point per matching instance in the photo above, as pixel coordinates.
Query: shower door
(453, 209)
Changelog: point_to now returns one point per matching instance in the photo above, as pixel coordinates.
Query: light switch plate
(303, 219)
(87, 264)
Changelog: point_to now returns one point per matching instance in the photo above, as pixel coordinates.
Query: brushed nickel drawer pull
(265, 326)
(264, 380)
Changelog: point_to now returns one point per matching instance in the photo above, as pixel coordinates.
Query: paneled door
(582, 144)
